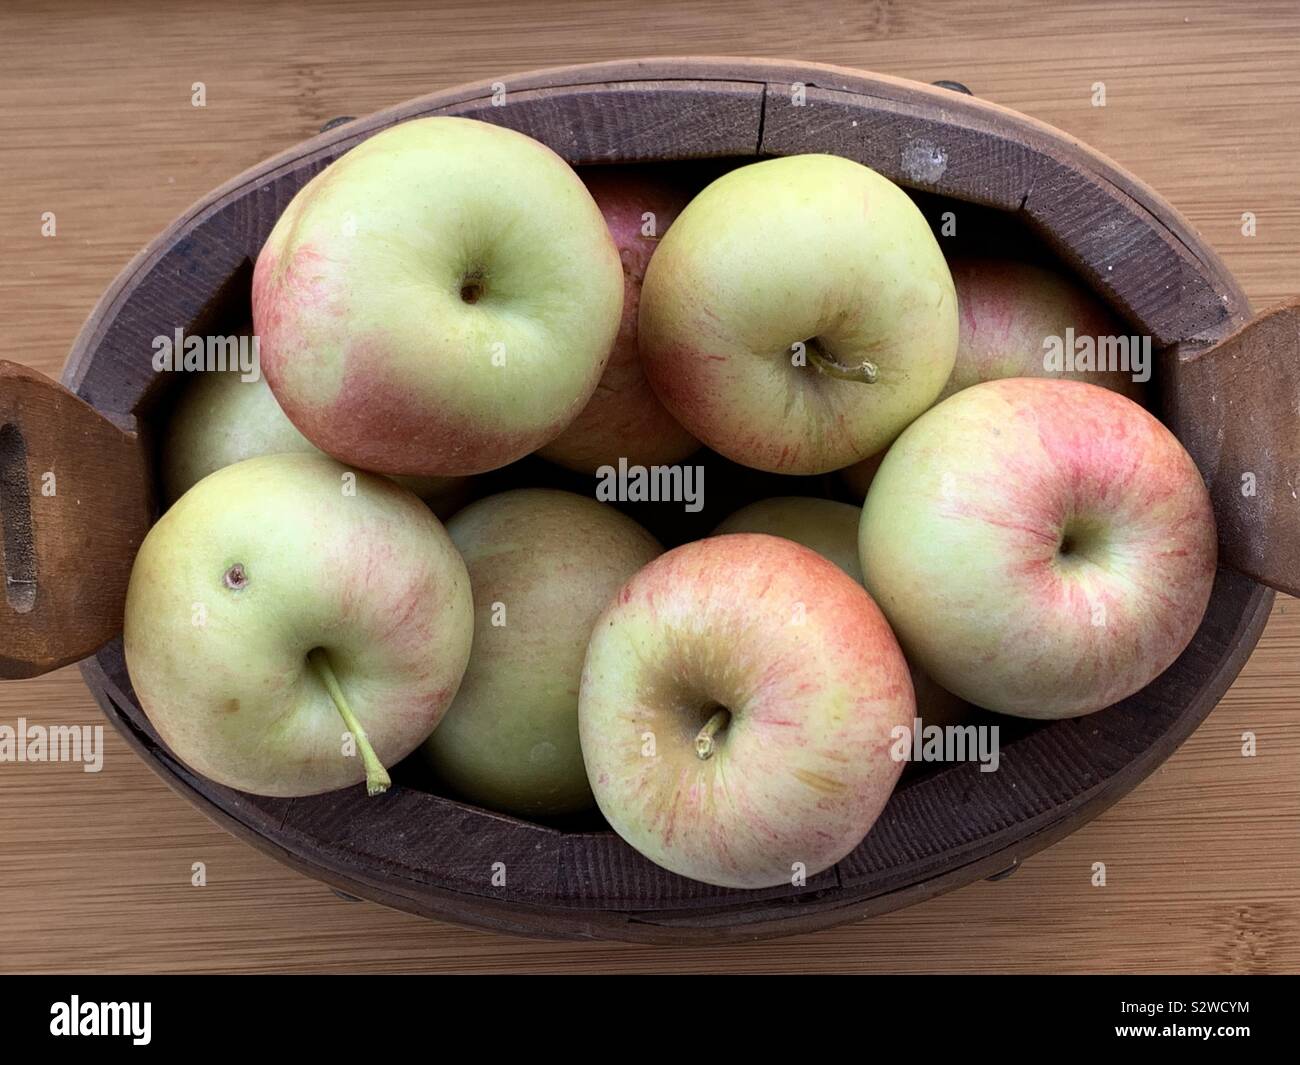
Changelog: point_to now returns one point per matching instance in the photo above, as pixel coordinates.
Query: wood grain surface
(97, 127)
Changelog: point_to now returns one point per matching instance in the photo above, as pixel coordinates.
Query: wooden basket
(1227, 387)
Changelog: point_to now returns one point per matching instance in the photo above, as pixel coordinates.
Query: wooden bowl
(1222, 379)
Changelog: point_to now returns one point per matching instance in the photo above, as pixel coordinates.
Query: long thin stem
(377, 778)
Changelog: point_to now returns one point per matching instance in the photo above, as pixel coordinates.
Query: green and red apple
(1042, 548)
(738, 701)
(798, 314)
(624, 418)
(290, 630)
(543, 565)
(441, 300)
(221, 419)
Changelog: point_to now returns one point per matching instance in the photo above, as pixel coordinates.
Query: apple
(1007, 310)
(858, 477)
(798, 314)
(286, 638)
(543, 564)
(828, 527)
(440, 301)
(221, 419)
(624, 418)
(737, 703)
(831, 529)
(1042, 548)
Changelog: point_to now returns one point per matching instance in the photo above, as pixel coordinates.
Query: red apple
(624, 417)
(1007, 310)
(858, 477)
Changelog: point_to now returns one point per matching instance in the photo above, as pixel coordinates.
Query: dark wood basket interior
(1019, 191)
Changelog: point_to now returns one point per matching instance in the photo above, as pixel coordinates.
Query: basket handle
(75, 503)
(1236, 408)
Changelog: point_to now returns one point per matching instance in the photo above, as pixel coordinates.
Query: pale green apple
(738, 702)
(1042, 548)
(543, 565)
(221, 419)
(828, 527)
(831, 529)
(287, 636)
(441, 300)
(798, 314)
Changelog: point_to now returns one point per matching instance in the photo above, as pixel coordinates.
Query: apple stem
(377, 778)
(865, 372)
(704, 740)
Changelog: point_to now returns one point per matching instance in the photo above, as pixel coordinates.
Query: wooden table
(97, 126)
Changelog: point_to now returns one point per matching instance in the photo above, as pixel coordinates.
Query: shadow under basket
(1023, 187)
